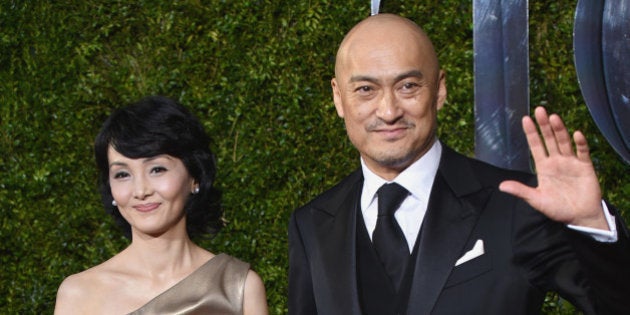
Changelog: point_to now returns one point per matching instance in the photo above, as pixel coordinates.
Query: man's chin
(395, 161)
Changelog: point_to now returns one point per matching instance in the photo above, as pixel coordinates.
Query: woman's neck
(164, 256)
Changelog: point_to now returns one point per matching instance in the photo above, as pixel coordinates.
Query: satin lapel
(335, 227)
(454, 206)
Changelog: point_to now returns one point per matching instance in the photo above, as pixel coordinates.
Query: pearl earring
(114, 203)
(196, 190)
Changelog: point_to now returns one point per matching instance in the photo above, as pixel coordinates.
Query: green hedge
(257, 74)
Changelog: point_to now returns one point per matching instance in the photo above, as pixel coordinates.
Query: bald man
(463, 237)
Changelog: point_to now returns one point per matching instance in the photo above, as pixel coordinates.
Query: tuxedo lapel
(335, 227)
(454, 206)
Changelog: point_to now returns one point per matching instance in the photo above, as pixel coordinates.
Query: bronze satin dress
(214, 288)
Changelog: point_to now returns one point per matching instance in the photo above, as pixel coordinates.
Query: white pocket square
(476, 251)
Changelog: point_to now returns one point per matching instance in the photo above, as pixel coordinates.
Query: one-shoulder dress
(216, 287)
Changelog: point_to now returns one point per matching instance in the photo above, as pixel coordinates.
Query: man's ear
(336, 97)
(441, 94)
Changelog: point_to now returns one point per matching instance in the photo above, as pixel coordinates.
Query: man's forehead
(389, 76)
(391, 66)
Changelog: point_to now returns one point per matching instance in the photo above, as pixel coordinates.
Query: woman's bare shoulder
(87, 291)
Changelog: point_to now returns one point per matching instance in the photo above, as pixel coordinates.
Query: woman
(156, 173)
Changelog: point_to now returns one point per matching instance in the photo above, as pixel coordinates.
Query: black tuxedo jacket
(525, 254)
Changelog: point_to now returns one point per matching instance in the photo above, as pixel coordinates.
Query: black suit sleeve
(594, 276)
(607, 266)
(301, 297)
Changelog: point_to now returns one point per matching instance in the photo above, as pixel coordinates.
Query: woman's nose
(142, 188)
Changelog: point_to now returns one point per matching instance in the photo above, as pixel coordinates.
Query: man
(469, 239)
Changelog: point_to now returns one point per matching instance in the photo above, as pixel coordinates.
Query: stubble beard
(393, 160)
(401, 158)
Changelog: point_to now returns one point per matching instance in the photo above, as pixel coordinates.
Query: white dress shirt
(418, 180)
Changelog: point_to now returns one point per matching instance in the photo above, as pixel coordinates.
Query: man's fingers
(562, 137)
(517, 189)
(548, 135)
(581, 146)
(536, 146)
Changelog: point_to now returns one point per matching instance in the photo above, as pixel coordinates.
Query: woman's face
(150, 192)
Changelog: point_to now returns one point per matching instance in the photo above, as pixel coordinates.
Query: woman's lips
(146, 207)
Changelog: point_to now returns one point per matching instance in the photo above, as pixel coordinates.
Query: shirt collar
(417, 178)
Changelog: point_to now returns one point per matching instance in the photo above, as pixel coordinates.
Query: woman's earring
(114, 203)
(196, 190)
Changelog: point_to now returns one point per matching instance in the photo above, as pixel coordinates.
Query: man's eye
(364, 88)
(409, 85)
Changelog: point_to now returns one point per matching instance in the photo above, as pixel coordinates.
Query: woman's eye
(121, 175)
(158, 169)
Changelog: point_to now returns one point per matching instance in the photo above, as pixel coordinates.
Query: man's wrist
(608, 235)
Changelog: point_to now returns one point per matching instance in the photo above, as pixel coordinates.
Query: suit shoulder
(340, 190)
(457, 165)
(502, 173)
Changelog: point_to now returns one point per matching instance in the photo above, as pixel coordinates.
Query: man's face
(388, 92)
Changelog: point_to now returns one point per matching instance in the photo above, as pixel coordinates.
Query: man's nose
(388, 107)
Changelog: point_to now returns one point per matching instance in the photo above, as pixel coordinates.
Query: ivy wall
(257, 73)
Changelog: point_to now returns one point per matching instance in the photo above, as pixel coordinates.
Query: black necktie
(388, 239)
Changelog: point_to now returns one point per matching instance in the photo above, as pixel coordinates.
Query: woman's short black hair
(158, 125)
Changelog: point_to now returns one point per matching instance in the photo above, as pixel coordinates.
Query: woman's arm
(255, 299)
